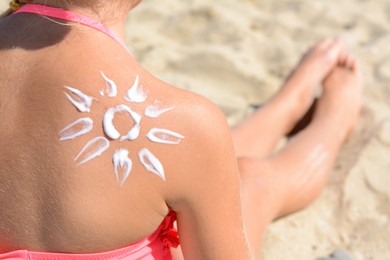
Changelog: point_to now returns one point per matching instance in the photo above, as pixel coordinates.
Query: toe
(335, 48)
(324, 44)
(343, 59)
(351, 63)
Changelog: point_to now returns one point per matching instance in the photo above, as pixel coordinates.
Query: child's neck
(111, 13)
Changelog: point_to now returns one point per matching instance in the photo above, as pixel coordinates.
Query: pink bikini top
(155, 246)
(69, 16)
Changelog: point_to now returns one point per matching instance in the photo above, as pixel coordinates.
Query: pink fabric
(156, 246)
(69, 16)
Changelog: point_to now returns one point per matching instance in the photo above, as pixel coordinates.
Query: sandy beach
(237, 53)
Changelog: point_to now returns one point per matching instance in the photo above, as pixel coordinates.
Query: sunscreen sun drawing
(122, 164)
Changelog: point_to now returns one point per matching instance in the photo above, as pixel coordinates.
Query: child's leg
(258, 135)
(291, 179)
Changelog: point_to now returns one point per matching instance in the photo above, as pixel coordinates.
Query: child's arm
(207, 190)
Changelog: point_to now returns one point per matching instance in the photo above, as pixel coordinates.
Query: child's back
(49, 201)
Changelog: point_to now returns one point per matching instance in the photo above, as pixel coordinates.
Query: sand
(237, 53)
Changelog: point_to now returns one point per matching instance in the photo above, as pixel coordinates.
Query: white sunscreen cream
(93, 149)
(111, 88)
(122, 165)
(156, 109)
(77, 128)
(109, 127)
(164, 136)
(136, 93)
(151, 163)
(83, 102)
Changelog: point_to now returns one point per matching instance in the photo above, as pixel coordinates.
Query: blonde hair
(14, 5)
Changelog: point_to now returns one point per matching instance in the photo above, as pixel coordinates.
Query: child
(97, 153)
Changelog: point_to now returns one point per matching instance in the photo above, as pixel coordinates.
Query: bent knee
(258, 174)
(253, 167)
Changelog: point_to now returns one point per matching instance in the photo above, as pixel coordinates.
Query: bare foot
(342, 95)
(258, 135)
(301, 86)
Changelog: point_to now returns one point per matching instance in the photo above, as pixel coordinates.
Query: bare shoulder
(201, 120)
(206, 149)
(201, 116)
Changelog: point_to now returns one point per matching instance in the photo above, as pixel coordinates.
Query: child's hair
(14, 5)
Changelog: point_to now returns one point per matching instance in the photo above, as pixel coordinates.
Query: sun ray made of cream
(111, 88)
(78, 128)
(79, 99)
(122, 165)
(94, 148)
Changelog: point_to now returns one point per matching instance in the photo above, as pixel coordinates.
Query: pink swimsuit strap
(69, 16)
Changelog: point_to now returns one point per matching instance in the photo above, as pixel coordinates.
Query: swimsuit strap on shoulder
(69, 16)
